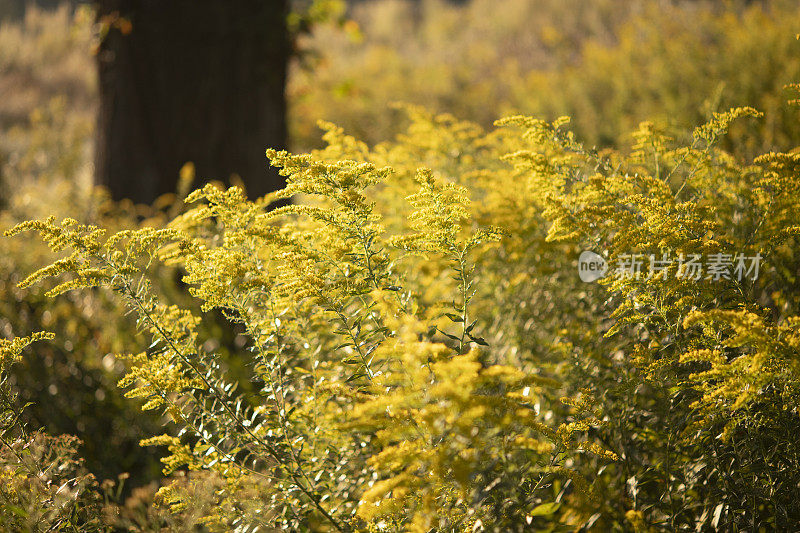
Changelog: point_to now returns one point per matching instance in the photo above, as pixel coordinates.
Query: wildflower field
(412, 342)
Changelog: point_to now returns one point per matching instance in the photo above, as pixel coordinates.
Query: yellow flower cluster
(420, 351)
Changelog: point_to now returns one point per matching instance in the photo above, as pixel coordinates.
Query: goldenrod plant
(423, 356)
(44, 485)
(409, 345)
(380, 402)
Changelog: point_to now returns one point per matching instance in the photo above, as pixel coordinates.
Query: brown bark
(190, 80)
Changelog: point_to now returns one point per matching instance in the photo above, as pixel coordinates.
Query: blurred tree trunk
(190, 80)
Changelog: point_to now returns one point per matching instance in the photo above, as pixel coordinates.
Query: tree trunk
(190, 80)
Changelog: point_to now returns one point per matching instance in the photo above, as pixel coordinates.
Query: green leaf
(16, 510)
(478, 340)
(545, 509)
(450, 336)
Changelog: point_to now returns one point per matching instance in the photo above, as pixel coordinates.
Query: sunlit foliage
(408, 346)
(425, 355)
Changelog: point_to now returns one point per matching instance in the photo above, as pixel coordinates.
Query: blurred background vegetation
(609, 64)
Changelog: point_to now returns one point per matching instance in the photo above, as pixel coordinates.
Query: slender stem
(167, 338)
